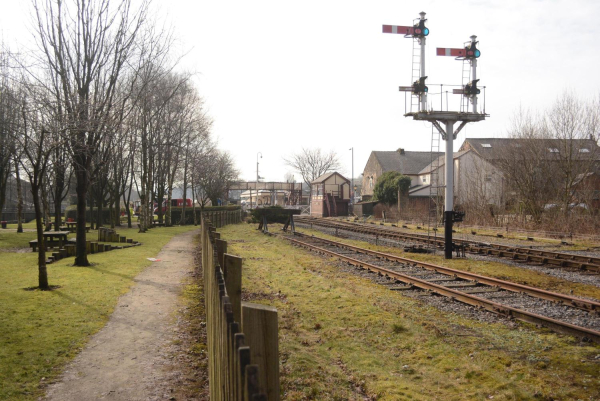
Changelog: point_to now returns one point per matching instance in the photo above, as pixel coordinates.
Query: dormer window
(584, 150)
(486, 145)
(553, 150)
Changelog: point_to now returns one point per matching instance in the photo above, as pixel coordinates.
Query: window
(424, 179)
(584, 150)
(371, 182)
(486, 145)
(553, 150)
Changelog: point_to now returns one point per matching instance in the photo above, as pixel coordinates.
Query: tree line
(100, 104)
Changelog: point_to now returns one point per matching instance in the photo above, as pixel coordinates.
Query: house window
(486, 145)
(371, 182)
(553, 150)
(425, 180)
(584, 150)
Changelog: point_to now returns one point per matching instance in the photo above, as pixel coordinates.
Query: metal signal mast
(418, 31)
(444, 121)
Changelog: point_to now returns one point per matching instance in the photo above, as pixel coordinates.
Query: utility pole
(352, 194)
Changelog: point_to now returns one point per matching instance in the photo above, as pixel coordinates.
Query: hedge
(189, 217)
(71, 212)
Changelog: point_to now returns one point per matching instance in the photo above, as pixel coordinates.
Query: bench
(49, 244)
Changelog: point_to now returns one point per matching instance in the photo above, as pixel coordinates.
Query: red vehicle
(175, 203)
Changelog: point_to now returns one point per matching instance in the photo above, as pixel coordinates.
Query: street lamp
(257, 177)
(352, 186)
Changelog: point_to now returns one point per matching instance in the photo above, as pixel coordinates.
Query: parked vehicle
(174, 203)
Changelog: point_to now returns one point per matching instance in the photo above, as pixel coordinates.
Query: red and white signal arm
(447, 51)
(402, 30)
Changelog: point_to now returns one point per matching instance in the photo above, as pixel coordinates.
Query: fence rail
(242, 338)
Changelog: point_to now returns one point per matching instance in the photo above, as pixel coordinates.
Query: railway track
(527, 255)
(559, 312)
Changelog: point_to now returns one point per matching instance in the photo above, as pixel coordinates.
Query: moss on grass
(42, 330)
(344, 337)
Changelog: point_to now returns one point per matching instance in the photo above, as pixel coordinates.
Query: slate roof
(497, 146)
(407, 163)
(326, 176)
(442, 161)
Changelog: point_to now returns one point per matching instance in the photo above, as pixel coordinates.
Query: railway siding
(570, 315)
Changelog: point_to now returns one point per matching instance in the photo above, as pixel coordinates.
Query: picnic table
(51, 239)
(61, 237)
(72, 226)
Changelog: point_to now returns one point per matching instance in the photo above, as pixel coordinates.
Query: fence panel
(243, 361)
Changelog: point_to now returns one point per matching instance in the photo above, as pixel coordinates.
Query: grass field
(40, 331)
(342, 337)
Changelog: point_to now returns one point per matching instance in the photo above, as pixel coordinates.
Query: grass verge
(342, 337)
(40, 331)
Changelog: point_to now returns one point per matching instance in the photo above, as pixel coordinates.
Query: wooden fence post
(221, 250)
(259, 324)
(233, 284)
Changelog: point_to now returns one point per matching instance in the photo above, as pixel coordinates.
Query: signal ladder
(466, 78)
(434, 216)
(416, 73)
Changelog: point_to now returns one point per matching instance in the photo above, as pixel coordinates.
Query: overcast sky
(281, 75)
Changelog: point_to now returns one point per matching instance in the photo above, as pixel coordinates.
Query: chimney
(400, 150)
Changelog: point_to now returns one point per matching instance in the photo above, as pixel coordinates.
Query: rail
(454, 293)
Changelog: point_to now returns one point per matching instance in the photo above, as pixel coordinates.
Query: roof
(441, 161)
(495, 148)
(406, 162)
(326, 176)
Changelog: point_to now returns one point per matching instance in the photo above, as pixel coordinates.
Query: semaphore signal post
(443, 121)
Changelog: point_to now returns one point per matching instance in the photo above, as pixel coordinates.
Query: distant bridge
(270, 186)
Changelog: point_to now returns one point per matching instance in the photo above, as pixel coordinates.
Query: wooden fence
(223, 217)
(242, 338)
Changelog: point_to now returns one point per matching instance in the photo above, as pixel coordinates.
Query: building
(401, 161)
(330, 195)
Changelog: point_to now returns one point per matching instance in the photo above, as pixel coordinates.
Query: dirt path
(124, 360)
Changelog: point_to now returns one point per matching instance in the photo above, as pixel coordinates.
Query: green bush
(387, 186)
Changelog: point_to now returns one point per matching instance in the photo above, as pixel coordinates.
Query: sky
(278, 76)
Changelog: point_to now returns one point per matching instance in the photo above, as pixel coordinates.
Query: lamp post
(257, 178)
(352, 186)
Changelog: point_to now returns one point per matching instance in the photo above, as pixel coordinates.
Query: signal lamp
(419, 86)
(420, 29)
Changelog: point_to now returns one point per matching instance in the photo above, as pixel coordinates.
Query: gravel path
(124, 360)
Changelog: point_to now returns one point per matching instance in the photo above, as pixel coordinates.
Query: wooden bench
(49, 244)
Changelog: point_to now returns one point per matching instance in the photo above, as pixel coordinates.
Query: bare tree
(219, 174)
(313, 163)
(573, 126)
(34, 138)
(86, 45)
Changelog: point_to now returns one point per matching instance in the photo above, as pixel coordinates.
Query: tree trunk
(59, 186)
(194, 205)
(47, 218)
(42, 271)
(81, 190)
(19, 200)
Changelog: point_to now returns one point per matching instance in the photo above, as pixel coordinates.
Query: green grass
(40, 331)
(343, 337)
